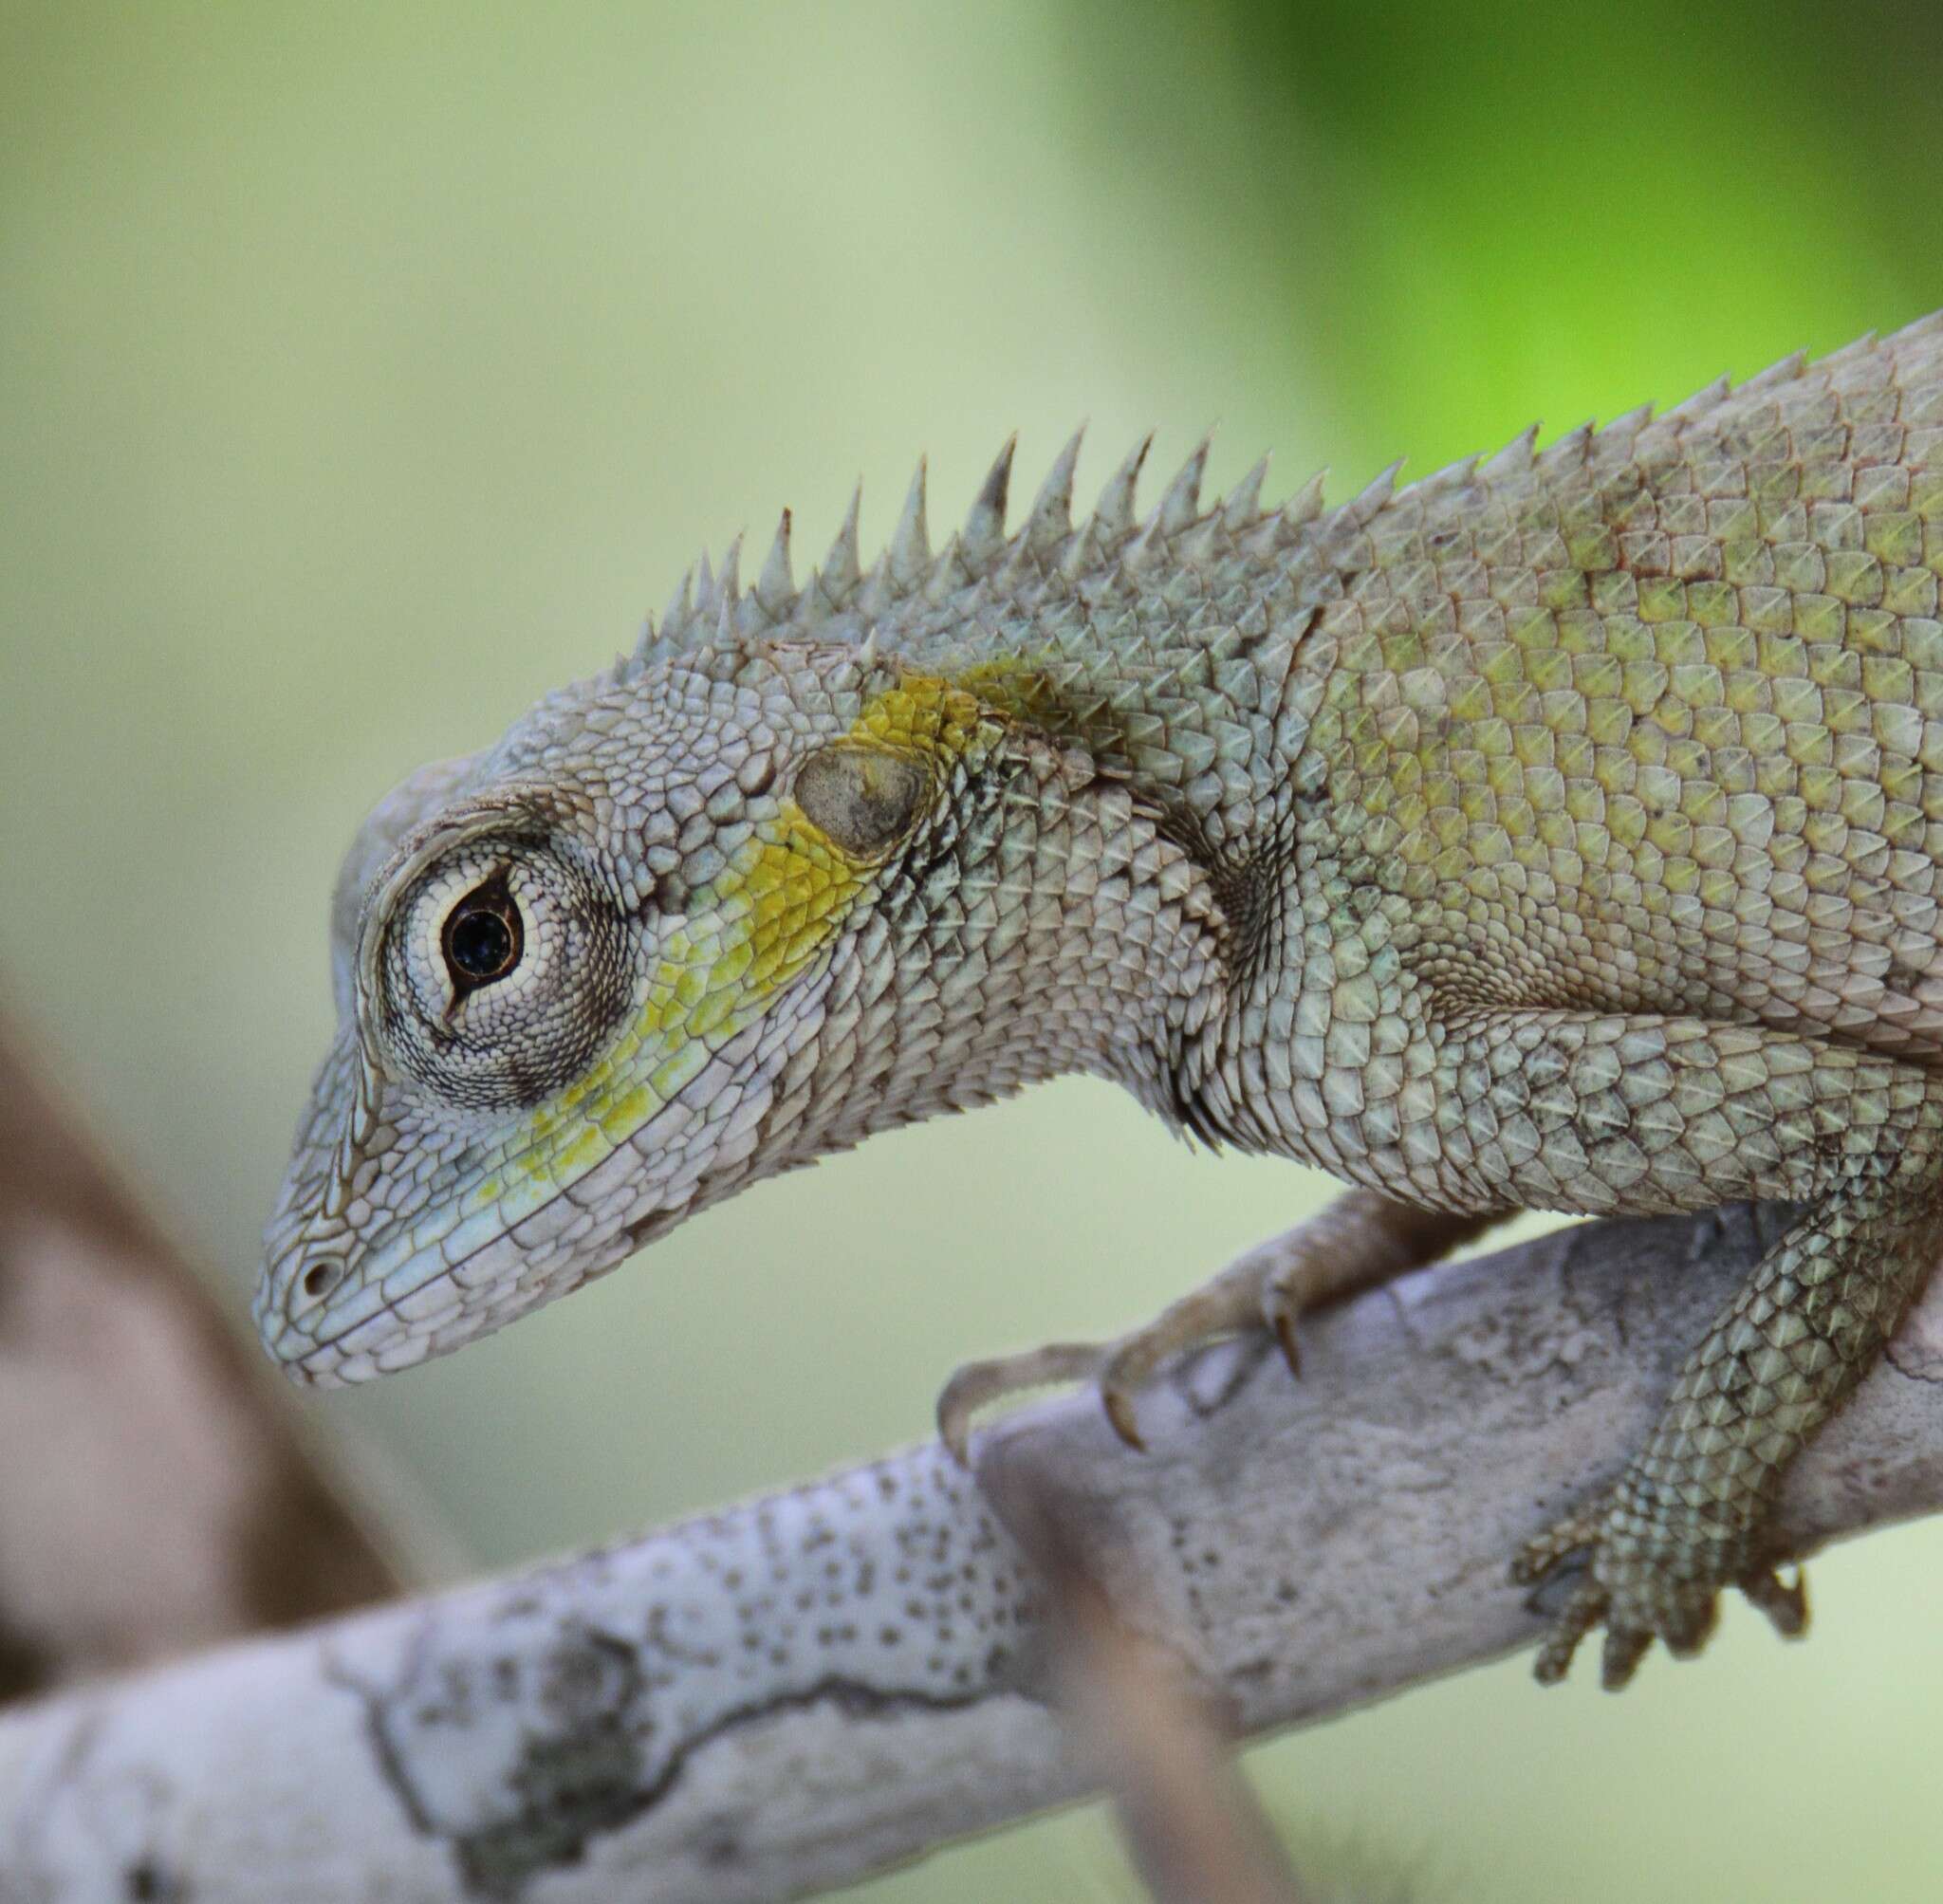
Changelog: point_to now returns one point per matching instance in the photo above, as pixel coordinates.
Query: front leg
(1688, 1515)
(1360, 1239)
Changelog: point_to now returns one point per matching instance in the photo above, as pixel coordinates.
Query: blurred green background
(368, 370)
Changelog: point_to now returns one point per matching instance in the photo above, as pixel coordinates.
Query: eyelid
(510, 814)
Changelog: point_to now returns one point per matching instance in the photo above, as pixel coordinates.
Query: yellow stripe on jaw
(775, 906)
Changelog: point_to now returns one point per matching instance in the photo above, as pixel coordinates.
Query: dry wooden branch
(793, 1693)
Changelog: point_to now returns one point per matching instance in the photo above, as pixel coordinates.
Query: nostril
(324, 1276)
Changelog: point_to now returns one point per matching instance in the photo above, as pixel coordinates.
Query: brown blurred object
(156, 1493)
(1195, 1830)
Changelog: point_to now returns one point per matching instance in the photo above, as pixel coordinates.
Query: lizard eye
(501, 969)
(483, 938)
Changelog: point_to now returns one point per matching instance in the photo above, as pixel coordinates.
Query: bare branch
(796, 1692)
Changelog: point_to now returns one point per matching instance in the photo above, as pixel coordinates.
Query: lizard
(1563, 831)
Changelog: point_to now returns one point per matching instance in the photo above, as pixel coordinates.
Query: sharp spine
(1201, 541)
(1701, 401)
(681, 605)
(1306, 505)
(1113, 515)
(1358, 512)
(1571, 450)
(1050, 519)
(909, 554)
(1457, 476)
(775, 587)
(1786, 371)
(1181, 503)
(1514, 459)
(841, 574)
(1860, 347)
(985, 528)
(950, 571)
(1243, 509)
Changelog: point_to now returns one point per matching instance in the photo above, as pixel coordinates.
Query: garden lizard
(1560, 832)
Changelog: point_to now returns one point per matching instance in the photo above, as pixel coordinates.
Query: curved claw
(1280, 1311)
(1126, 1369)
(1358, 1240)
(1784, 1603)
(1119, 1411)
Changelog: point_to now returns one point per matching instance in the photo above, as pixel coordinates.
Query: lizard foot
(1360, 1239)
(1641, 1591)
(1115, 1369)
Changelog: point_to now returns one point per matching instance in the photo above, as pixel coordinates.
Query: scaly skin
(1562, 832)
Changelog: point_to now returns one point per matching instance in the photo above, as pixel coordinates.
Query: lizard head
(757, 892)
(576, 976)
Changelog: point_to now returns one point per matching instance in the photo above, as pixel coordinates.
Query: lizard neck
(1151, 826)
(1063, 932)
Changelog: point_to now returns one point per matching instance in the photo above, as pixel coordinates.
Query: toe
(1540, 1555)
(1687, 1623)
(977, 1383)
(1580, 1615)
(1625, 1647)
(956, 1401)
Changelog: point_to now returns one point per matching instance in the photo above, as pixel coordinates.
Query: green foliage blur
(1469, 212)
(368, 370)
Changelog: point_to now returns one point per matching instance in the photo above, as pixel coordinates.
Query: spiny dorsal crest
(1048, 549)
(710, 607)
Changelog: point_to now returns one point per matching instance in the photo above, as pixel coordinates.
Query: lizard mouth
(331, 1320)
(366, 1332)
(513, 1225)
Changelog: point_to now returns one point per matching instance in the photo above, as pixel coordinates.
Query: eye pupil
(483, 937)
(481, 946)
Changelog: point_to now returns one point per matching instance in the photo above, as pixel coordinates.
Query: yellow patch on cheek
(768, 914)
(772, 909)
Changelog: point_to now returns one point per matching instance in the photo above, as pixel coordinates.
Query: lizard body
(1562, 832)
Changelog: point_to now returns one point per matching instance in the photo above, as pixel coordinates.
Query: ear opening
(866, 798)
